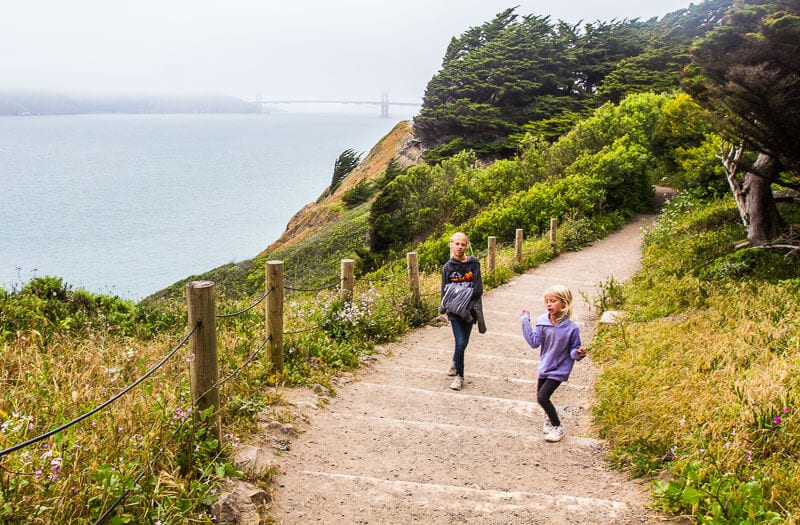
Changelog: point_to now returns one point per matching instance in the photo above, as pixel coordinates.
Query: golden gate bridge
(383, 103)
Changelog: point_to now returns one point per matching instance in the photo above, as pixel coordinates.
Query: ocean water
(129, 204)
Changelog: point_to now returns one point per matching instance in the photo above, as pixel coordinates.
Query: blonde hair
(562, 293)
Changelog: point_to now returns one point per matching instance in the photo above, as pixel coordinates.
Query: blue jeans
(461, 331)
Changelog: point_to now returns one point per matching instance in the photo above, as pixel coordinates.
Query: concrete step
(456, 407)
(394, 501)
(520, 363)
(518, 383)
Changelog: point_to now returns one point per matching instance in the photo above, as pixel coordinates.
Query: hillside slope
(399, 143)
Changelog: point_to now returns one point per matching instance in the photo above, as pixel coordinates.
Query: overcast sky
(280, 49)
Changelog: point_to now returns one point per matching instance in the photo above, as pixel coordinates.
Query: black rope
(240, 367)
(105, 404)
(138, 478)
(259, 301)
(163, 448)
(332, 284)
(377, 279)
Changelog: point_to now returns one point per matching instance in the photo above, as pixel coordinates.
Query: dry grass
(706, 384)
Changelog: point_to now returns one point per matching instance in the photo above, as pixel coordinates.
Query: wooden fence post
(347, 279)
(203, 366)
(413, 275)
(553, 229)
(491, 256)
(274, 313)
(518, 247)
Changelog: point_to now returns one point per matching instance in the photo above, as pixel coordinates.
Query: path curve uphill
(396, 445)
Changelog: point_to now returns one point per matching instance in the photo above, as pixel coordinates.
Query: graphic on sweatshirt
(456, 278)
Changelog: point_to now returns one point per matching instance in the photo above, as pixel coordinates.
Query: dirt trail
(396, 445)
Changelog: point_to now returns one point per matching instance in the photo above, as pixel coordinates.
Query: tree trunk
(765, 221)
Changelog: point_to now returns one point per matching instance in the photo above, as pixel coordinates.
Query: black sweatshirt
(469, 271)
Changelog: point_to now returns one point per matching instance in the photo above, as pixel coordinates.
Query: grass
(705, 383)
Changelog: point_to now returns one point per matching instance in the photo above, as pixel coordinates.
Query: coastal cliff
(399, 143)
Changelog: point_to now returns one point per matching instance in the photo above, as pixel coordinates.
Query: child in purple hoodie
(560, 341)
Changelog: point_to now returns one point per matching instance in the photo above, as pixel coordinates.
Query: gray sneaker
(452, 371)
(555, 435)
(457, 383)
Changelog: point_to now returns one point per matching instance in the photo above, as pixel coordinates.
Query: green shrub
(497, 278)
(358, 194)
(723, 498)
(47, 306)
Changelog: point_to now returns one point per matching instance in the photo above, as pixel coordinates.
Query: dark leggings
(544, 390)
(461, 331)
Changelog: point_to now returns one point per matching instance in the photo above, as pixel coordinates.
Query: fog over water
(129, 204)
(347, 49)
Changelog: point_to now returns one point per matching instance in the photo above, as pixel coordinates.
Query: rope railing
(142, 474)
(197, 398)
(163, 448)
(101, 406)
(245, 310)
(381, 279)
(331, 285)
(202, 339)
(246, 363)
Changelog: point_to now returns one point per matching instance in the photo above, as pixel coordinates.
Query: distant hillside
(43, 103)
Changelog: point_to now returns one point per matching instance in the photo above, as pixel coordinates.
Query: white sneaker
(555, 434)
(547, 427)
(457, 383)
(452, 370)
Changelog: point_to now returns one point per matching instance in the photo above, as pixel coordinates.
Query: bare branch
(730, 160)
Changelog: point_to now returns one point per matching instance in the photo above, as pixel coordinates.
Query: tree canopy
(750, 69)
(518, 74)
(345, 163)
(747, 70)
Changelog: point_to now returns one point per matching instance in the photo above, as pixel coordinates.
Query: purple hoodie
(559, 345)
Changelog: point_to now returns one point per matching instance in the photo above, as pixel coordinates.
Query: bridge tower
(384, 105)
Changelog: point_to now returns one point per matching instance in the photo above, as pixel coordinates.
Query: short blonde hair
(562, 293)
(459, 234)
